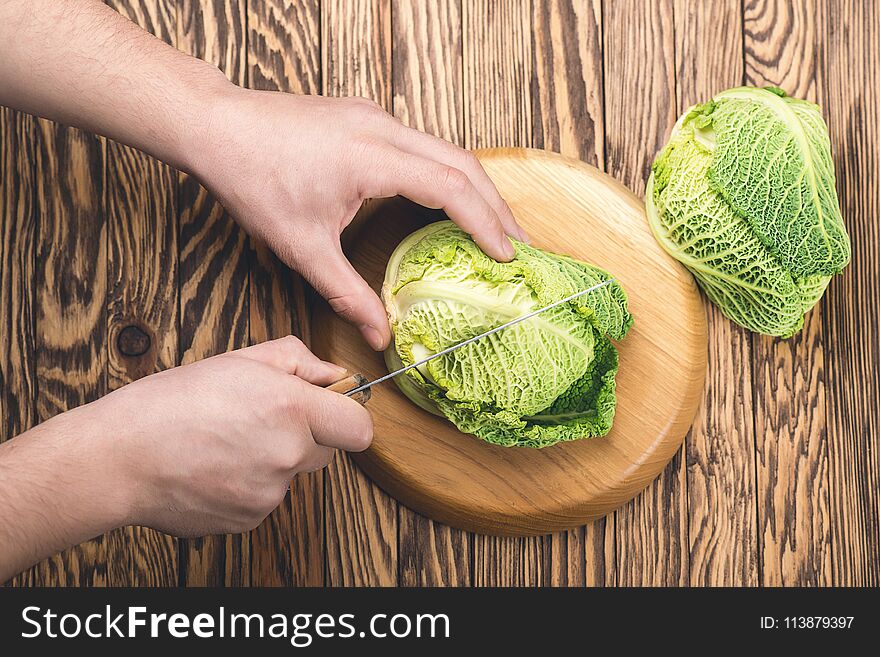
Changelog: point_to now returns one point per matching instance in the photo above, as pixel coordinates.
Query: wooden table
(114, 266)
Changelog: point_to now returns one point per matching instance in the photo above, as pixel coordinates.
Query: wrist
(87, 446)
(60, 486)
(190, 124)
(204, 142)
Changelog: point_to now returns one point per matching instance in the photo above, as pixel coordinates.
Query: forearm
(81, 63)
(59, 486)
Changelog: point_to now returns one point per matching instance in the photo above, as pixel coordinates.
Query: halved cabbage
(546, 380)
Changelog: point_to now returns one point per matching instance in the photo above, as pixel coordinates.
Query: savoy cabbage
(546, 380)
(743, 195)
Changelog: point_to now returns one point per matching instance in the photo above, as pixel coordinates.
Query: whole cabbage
(546, 380)
(743, 195)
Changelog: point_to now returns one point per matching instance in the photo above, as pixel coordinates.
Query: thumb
(331, 274)
(292, 356)
(335, 420)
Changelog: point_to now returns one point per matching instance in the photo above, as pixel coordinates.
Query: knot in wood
(133, 341)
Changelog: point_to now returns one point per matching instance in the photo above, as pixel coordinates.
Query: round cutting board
(568, 207)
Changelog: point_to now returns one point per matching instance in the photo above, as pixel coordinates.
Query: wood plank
(142, 297)
(284, 54)
(427, 61)
(640, 103)
(720, 448)
(213, 270)
(781, 42)
(497, 52)
(569, 117)
(17, 254)
(427, 66)
(568, 100)
(360, 520)
(70, 342)
(17, 263)
(431, 553)
(850, 95)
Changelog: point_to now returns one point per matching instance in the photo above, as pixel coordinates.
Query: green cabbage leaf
(744, 196)
(546, 380)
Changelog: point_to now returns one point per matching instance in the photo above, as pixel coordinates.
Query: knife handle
(351, 383)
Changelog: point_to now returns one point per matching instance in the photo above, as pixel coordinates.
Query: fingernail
(337, 369)
(523, 237)
(508, 249)
(372, 336)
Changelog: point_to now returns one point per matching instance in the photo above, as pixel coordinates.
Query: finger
(335, 420)
(436, 185)
(434, 148)
(317, 458)
(331, 274)
(292, 356)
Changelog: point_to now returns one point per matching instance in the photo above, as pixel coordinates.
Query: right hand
(211, 447)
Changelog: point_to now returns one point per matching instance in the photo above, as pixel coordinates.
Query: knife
(358, 386)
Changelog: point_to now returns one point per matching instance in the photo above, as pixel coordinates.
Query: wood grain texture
(360, 520)
(141, 296)
(567, 91)
(427, 66)
(497, 51)
(70, 342)
(640, 103)
(427, 82)
(17, 262)
(781, 41)
(720, 449)
(284, 45)
(850, 95)
(568, 116)
(213, 269)
(356, 49)
(284, 54)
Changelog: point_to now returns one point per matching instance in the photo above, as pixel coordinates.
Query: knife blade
(443, 352)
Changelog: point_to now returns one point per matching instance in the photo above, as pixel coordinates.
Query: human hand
(293, 170)
(211, 447)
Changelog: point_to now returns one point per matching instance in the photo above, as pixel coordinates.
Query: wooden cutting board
(568, 207)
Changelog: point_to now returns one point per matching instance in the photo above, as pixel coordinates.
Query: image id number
(807, 622)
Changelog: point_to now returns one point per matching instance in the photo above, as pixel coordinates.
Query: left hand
(293, 170)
